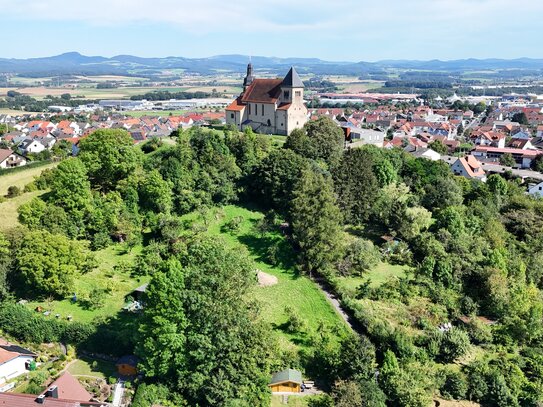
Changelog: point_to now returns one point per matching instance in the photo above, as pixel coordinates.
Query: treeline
(167, 95)
(17, 101)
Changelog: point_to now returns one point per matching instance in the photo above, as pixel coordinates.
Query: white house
(31, 146)
(469, 167)
(427, 153)
(10, 159)
(536, 190)
(14, 361)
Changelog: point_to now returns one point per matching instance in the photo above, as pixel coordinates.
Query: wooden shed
(286, 381)
(127, 365)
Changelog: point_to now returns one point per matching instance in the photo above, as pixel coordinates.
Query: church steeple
(249, 77)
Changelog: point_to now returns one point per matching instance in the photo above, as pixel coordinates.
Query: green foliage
(13, 191)
(109, 157)
(438, 147)
(319, 140)
(361, 255)
(316, 221)
(507, 160)
(48, 264)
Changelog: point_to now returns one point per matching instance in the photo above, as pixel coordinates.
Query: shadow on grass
(272, 249)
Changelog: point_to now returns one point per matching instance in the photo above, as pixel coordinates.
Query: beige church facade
(269, 106)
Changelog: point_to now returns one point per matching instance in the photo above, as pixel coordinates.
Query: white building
(14, 361)
(10, 159)
(536, 190)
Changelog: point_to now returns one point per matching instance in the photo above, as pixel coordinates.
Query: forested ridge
(465, 322)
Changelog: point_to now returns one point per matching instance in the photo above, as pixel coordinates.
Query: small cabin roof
(141, 288)
(287, 375)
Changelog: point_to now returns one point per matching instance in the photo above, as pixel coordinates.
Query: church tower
(249, 78)
(292, 88)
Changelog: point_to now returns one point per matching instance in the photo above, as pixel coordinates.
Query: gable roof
(69, 388)
(5, 153)
(262, 91)
(292, 79)
(29, 400)
(287, 375)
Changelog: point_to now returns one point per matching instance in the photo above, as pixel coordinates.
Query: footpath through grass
(292, 290)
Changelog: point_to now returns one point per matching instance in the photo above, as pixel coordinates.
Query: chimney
(52, 392)
(40, 399)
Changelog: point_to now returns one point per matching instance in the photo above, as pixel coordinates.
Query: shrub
(13, 191)
(295, 323)
(233, 225)
(30, 187)
(454, 386)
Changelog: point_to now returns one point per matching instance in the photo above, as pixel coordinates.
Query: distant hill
(73, 63)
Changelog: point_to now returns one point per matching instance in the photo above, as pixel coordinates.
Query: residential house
(10, 159)
(29, 400)
(14, 361)
(539, 131)
(536, 190)
(427, 153)
(469, 167)
(67, 387)
(31, 146)
(488, 138)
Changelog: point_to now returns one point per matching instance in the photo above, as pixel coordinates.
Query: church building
(269, 106)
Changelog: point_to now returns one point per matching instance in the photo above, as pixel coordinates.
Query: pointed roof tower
(292, 80)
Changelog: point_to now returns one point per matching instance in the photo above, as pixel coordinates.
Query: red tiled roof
(236, 105)
(5, 153)
(262, 91)
(29, 400)
(528, 153)
(69, 388)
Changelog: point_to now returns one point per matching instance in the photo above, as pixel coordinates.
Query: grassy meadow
(18, 177)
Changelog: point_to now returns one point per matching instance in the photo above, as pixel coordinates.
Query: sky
(339, 30)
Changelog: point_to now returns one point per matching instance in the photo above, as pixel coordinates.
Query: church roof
(263, 91)
(293, 79)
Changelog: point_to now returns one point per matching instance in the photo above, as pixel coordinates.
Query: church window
(231, 115)
(286, 94)
(249, 108)
(298, 93)
(262, 110)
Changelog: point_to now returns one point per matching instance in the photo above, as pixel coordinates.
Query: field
(377, 276)
(292, 289)
(19, 178)
(108, 275)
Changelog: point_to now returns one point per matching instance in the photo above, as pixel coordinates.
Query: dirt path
(332, 299)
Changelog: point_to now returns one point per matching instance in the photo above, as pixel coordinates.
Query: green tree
(507, 160)
(48, 264)
(316, 221)
(320, 140)
(155, 194)
(109, 156)
(439, 147)
(521, 118)
(356, 185)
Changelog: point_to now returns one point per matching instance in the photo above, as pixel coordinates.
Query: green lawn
(21, 177)
(88, 367)
(378, 275)
(118, 280)
(298, 292)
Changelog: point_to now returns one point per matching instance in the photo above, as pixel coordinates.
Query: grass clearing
(108, 275)
(95, 368)
(292, 289)
(19, 178)
(378, 275)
